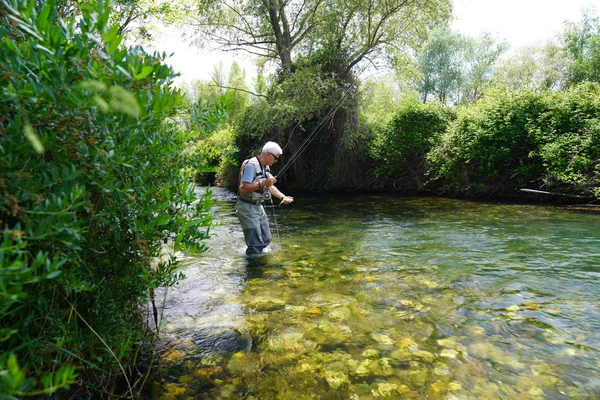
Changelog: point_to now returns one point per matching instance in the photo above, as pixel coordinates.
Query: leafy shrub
(399, 149)
(214, 141)
(491, 147)
(91, 189)
(570, 137)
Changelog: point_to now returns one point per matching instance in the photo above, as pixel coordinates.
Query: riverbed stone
(370, 353)
(449, 353)
(406, 342)
(382, 339)
(336, 379)
(424, 355)
(384, 389)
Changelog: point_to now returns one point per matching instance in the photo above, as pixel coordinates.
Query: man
(256, 185)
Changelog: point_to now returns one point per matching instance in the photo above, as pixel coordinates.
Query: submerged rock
(271, 304)
(210, 341)
(406, 342)
(425, 356)
(384, 389)
(336, 379)
(382, 339)
(370, 353)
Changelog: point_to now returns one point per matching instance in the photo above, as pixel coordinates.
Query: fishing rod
(306, 142)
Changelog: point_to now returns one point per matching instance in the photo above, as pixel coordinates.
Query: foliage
(212, 111)
(399, 150)
(378, 101)
(490, 147)
(534, 67)
(523, 139)
(582, 44)
(295, 109)
(236, 95)
(92, 187)
(570, 130)
(440, 65)
(132, 17)
(345, 32)
(455, 68)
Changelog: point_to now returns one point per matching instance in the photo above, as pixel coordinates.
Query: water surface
(368, 297)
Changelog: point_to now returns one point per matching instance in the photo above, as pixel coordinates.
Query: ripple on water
(390, 297)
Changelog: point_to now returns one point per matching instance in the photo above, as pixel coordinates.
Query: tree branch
(237, 89)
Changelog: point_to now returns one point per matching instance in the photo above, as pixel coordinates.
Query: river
(389, 297)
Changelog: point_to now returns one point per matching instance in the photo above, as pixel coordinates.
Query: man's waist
(250, 201)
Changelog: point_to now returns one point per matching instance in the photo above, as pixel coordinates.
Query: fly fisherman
(256, 185)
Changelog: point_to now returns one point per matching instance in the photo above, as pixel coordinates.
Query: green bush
(399, 149)
(92, 186)
(214, 141)
(519, 139)
(570, 136)
(491, 147)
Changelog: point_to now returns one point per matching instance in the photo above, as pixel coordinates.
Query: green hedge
(570, 136)
(490, 148)
(399, 150)
(91, 187)
(520, 139)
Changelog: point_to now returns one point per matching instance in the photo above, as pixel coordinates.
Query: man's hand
(287, 199)
(268, 182)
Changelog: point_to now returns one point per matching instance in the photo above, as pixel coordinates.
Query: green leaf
(33, 139)
(53, 274)
(145, 72)
(111, 33)
(39, 46)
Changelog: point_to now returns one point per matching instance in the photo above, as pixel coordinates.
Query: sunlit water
(368, 297)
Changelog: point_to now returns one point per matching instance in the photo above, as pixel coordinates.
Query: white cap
(272, 147)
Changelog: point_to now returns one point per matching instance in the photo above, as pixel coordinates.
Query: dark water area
(389, 297)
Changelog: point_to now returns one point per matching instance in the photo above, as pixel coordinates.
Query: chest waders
(251, 213)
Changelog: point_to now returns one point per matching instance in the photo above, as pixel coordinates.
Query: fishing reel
(266, 194)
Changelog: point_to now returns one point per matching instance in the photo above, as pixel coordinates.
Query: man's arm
(277, 193)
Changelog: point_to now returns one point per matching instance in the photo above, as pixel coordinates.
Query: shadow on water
(389, 297)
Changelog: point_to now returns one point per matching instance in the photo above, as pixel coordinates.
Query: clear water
(368, 297)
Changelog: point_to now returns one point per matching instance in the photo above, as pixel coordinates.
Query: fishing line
(276, 225)
(306, 142)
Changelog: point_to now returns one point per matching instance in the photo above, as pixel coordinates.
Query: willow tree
(285, 30)
(318, 45)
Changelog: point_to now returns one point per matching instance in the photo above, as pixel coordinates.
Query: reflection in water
(390, 297)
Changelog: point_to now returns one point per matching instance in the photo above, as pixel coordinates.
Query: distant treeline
(454, 119)
(506, 141)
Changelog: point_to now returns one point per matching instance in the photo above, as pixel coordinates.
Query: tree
(582, 44)
(440, 62)
(341, 33)
(132, 17)
(454, 68)
(236, 94)
(533, 67)
(479, 58)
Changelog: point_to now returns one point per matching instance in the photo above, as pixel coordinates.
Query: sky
(519, 22)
